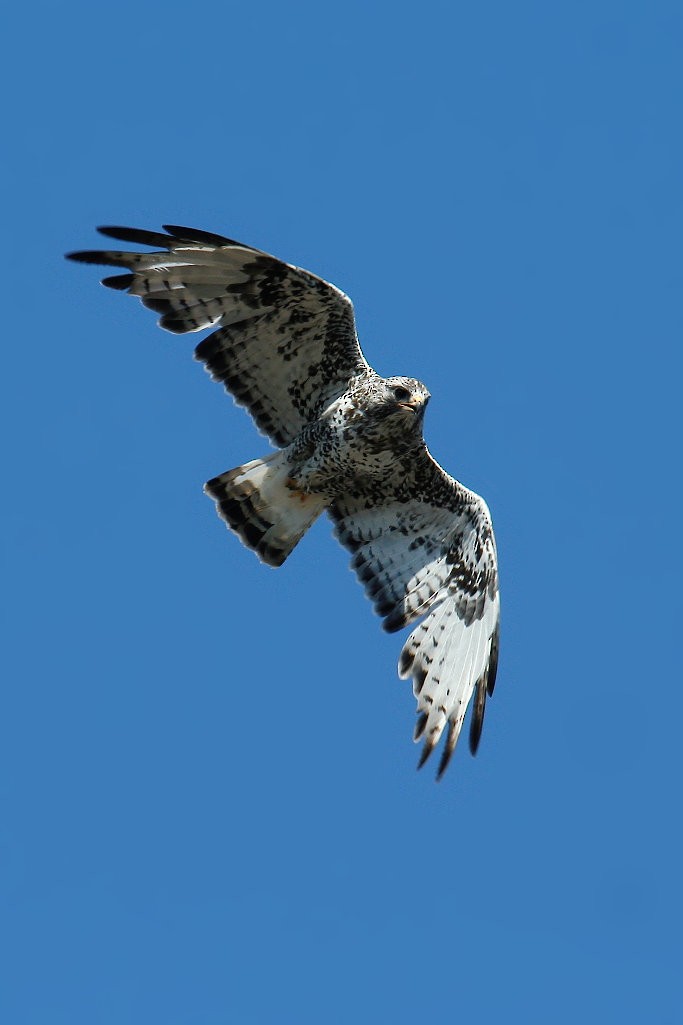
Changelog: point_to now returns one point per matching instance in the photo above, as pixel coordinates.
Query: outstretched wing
(427, 549)
(286, 342)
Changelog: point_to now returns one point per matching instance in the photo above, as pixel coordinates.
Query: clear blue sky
(204, 819)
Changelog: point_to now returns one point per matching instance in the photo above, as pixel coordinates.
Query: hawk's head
(405, 395)
(387, 407)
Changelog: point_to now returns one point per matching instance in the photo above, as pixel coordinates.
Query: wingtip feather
(210, 238)
(493, 661)
(478, 710)
(121, 282)
(449, 748)
(96, 256)
(138, 236)
(420, 725)
(427, 749)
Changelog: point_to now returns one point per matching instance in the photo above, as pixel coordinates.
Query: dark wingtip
(197, 235)
(419, 677)
(121, 282)
(449, 748)
(493, 660)
(405, 662)
(90, 256)
(138, 236)
(420, 725)
(475, 735)
(443, 764)
(478, 710)
(426, 751)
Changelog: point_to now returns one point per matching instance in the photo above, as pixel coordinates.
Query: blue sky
(210, 810)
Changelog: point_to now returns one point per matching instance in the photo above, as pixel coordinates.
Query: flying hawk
(350, 443)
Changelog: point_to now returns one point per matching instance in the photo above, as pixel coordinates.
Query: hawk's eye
(401, 394)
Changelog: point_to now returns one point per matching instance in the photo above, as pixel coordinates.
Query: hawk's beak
(416, 406)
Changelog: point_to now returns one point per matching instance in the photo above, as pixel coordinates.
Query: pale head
(406, 394)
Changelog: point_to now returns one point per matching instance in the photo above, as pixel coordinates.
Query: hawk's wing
(427, 548)
(286, 342)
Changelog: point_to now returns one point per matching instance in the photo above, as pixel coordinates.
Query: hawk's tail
(261, 503)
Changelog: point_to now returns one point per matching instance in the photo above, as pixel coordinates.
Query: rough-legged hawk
(350, 442)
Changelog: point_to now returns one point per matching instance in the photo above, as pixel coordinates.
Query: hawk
(349, 443)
